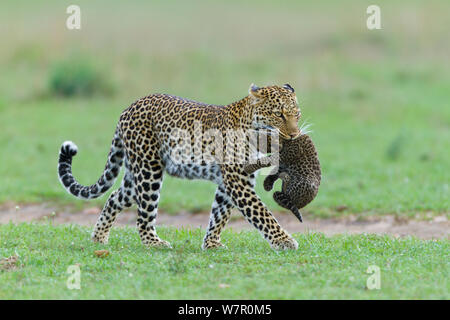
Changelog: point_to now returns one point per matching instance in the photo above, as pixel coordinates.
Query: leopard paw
(103, 239)
(212, 244)
(159, 243)
(288, 243)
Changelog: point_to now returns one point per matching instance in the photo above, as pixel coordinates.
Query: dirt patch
(436, 228)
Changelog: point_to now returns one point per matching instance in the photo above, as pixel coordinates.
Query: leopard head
(276, 108)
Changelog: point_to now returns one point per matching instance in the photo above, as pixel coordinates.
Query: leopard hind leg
(123, 197)
(148, 181)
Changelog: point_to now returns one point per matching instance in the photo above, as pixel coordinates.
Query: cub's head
(276, 108)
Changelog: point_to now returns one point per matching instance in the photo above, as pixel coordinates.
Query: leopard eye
(278, 113)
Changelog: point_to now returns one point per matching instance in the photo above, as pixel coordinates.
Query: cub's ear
(288, 87)
(255, 91)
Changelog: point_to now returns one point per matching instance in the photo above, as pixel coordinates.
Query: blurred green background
(379, 100)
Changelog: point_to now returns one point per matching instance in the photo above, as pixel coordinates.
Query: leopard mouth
(290, 137)
(285, 136)
(275, 131)
(297, 136)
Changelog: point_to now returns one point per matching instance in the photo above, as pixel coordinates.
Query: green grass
(378, 100)
(323, 267)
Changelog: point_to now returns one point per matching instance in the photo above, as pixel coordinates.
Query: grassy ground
(378, 100)
(323, 268)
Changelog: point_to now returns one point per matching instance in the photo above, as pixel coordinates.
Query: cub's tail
(106, 180)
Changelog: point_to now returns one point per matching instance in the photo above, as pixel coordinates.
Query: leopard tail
(106, 180)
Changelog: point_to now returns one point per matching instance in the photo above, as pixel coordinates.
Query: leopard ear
(288, 87)
(255, 91)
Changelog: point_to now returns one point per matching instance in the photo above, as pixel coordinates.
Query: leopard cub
(298, 168)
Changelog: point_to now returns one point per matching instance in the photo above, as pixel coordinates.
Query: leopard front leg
(239, 188)
(263, 162)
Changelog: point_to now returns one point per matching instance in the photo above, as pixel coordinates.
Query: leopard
(298, 166)
(144, 141)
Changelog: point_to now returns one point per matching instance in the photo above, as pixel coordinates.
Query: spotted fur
(144, 141)
(298, 167)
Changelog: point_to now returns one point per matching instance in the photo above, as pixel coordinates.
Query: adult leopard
(143, 143)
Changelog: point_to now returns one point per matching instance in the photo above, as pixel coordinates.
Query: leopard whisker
(305, 127)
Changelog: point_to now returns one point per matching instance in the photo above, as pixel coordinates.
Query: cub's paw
(212, 244)
(269, 182)
(284, 244)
